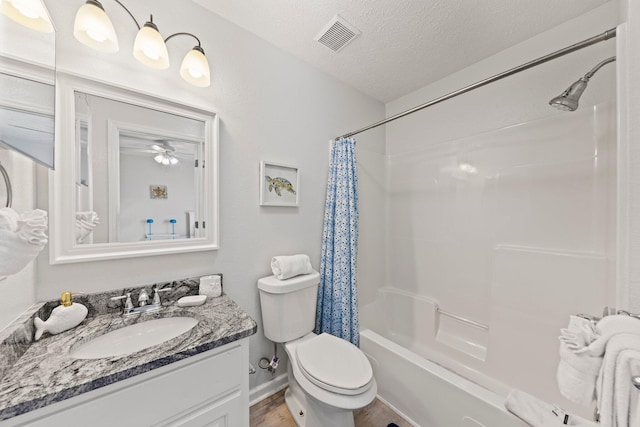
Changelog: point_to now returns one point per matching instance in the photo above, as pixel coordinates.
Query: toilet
(328, 376)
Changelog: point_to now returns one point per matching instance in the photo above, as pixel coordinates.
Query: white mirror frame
(63, 247)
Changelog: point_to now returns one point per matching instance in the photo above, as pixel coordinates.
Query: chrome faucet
(143, 307)
(143, 298)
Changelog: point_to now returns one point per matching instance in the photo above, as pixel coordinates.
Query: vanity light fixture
(93, 28)
(30, 13)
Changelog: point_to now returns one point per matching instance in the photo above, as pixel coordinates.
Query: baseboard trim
(397, 411)
(265, 390)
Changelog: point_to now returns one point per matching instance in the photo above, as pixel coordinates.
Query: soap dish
(192, 300)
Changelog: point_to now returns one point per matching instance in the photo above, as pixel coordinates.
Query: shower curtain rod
(609, 34)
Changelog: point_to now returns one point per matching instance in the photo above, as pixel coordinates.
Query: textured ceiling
(405, 44)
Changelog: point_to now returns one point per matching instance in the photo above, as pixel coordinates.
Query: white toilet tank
(288, 306)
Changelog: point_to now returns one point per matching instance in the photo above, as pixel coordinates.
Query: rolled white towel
(285, 267)
(8, 219)
(577, 374)
(32, 227)
(537, 413)
(85, 223)
(15, 252)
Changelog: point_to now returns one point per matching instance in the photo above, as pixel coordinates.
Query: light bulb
(92, 27)
(26, 10)
(158, 158)
(29, 13)
(96, 35)
(195, 73)
(151, 54)
(149, 47)
(195, 68)
(165, 160)
(173, 160)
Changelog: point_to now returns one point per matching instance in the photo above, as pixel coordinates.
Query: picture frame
(158, 192)
(279, 184)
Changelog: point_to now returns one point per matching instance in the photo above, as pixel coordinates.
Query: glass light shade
(158, 158)
(150, 49)
(195, 68)
(92, 27)
(173, 160)
(165, 161)
(30, 13)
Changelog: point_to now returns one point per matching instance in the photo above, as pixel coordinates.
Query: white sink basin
(134, 338)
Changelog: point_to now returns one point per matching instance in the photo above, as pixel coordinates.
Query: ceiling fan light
(149, 47)
(195, 68)
(173, 160)
(159, 157)
(29, 13)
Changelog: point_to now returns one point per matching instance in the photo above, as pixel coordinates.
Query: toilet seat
(334, 364)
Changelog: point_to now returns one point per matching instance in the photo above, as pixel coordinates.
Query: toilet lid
(334, 364)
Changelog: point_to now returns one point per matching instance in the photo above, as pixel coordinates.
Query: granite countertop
(35, 374)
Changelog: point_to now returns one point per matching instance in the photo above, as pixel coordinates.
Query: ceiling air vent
(337, 34)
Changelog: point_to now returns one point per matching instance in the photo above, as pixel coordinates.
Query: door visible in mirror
(132, 178)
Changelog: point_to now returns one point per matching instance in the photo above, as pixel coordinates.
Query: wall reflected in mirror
(27, 76)
(138, 172)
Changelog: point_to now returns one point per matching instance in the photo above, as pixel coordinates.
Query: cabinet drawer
(153, 398)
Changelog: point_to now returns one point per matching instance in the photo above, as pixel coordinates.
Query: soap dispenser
(67, 315)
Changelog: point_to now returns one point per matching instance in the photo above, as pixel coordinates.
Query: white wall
(530, 237)
(272, 107)
(138, 172)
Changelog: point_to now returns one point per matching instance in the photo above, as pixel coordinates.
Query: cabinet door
(179, 390)
(223, 412)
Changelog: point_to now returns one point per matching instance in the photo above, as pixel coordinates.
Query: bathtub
(429, 395)
(409, 347)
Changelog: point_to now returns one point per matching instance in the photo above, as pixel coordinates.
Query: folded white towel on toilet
(285, 267)
(537, 413)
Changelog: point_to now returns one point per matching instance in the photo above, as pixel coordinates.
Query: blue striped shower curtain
(337, 310)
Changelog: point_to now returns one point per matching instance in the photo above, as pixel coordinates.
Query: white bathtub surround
(285, 267)
(427, 394)
(537, 413)
(618, 400)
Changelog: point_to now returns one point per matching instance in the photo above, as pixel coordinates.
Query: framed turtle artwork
(279, 184)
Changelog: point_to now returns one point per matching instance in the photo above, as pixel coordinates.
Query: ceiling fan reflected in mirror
(165, 153)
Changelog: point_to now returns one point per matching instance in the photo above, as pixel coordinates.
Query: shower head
(569, 99)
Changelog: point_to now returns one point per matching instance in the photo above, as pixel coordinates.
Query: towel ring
(7, 183)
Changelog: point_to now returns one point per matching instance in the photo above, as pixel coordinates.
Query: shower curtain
(337, 310)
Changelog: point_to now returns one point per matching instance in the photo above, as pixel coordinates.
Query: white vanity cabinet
(209, 389)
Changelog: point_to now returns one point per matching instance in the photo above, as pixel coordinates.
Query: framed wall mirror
(137, 175)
